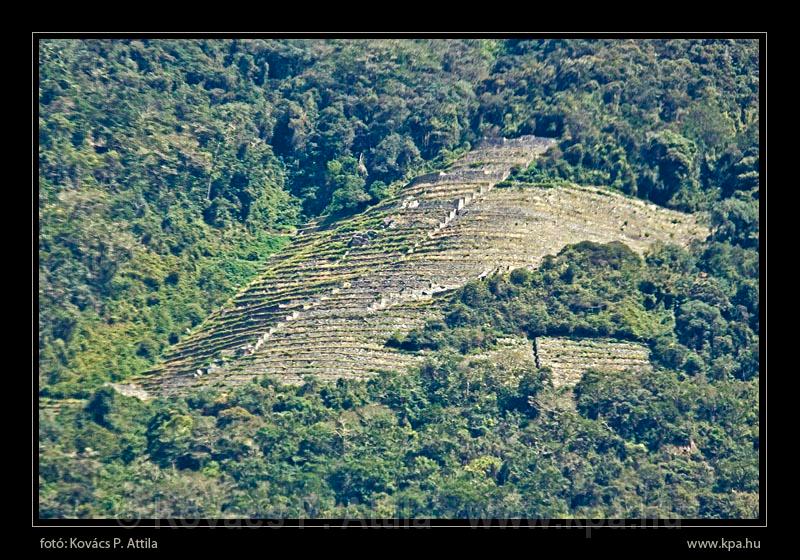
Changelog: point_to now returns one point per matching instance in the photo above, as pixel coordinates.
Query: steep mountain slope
(327, 305)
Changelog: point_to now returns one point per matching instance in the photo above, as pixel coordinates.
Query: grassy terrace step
(324, 354)
(343, 321)
(444, 191)
(328, 303)
(293, 285)
(57, 405)
(331, 371)
(318, 363)
(372, 320)
(293, 288)
(297, 376)
(326, 360)
(314, 344)
(341, 340)
(351, 346)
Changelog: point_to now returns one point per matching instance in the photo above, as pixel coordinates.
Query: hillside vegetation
(454, 441)
(170, 171)
(327, 305)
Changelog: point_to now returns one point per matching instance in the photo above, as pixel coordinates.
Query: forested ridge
(169, 170)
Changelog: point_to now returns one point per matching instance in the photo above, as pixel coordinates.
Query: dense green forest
(169, 170)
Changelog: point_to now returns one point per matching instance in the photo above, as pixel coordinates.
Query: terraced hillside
(327, 305)
(569, 358)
